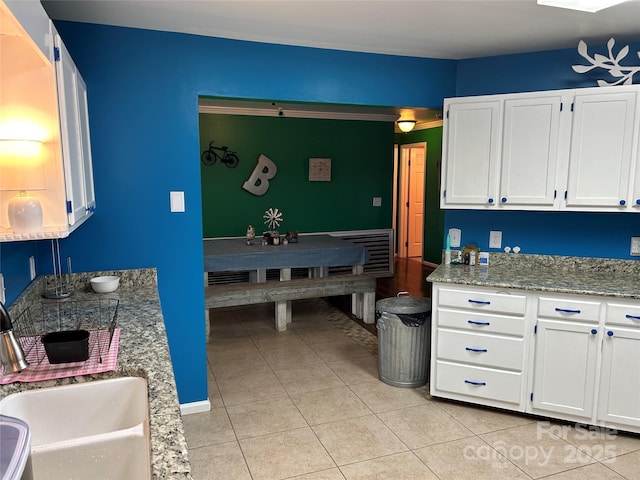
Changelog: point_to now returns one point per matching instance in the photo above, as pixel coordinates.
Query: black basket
(67, 346)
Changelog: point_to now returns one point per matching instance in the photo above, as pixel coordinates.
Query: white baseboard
(195, 407)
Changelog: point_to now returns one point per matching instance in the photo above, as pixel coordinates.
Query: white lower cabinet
(572, 357)
(619, 392)
(564, 369)
(478, 346)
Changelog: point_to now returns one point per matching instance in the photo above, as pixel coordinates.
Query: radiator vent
(379, 243)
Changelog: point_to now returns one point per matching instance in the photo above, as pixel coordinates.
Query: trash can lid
(404, 304)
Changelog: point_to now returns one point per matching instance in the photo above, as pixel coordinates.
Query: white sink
(97, 430)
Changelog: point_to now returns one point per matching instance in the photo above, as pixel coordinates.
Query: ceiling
(448, 29)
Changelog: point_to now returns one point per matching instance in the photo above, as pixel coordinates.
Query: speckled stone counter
(143, 351)
(547, 273)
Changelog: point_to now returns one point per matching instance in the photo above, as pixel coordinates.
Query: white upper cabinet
(602, 144)
(472, 146)
(46, 178)
(557, 150)
(76, 147)
(530, 148)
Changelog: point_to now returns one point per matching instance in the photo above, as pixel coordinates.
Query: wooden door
(411, 199)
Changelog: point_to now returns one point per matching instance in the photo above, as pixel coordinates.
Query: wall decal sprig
(623, 73)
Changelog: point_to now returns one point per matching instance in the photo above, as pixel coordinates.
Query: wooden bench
(361, 287)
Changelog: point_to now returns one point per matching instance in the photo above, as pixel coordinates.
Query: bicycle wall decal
(228, 157)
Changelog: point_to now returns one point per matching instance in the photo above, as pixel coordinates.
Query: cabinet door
(565, 367)
(530, 151)
(85, 136)
(601, 148)
(471, 153)
(619, 394)
(73, 125)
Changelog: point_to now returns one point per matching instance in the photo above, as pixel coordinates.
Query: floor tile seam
(390, 455)
(606, 465)
(252, 401)
(505, 457)
(591, 461)
(407, 449)
(335, 465)
(338, 421)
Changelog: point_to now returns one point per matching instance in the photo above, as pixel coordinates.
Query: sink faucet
(11, 353)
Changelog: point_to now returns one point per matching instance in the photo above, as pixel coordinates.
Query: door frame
(401, 192)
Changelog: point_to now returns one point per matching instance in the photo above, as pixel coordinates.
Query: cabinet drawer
(479, 382)
(479, 300)
(566, 309)
(481, 322)
(480, 349)
(621, 314)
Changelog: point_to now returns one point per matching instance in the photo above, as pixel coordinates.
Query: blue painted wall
(143, 89)
(605, 235)
(143, 94)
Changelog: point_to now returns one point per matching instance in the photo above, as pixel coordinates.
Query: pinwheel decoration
(272, 218)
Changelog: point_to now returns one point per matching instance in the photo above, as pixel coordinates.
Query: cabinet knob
(638, 201)
(623, 203)
(594, 331)
(610, 333)
(503, 199)
(490, 200)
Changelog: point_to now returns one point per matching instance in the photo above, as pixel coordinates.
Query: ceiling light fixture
(591, 6)
(406, 125)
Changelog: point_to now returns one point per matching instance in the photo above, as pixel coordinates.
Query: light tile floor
(307, 404)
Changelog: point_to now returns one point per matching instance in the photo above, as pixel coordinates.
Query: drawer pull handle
(473, 322)
(471, 382)
(479, 302)
(566, 310)
(632, 317)
(479, 350)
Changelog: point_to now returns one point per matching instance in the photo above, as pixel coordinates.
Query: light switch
(377, 201)
(177, 201)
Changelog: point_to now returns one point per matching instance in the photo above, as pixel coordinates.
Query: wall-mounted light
(406, 125)
(21, 164)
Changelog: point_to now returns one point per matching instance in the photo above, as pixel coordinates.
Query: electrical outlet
(454, 237)
(635, 246)
(495, 239)
(377, 201)
(2, 297)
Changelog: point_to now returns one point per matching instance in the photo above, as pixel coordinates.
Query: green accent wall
(433, 216)
(361, 155)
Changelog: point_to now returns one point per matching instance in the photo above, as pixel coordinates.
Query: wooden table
(315, 252)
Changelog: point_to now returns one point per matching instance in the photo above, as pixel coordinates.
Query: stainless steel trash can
(404, 340)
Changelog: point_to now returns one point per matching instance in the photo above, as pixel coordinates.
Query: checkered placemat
(102, 358)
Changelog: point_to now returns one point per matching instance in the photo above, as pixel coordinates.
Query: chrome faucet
(11, 353)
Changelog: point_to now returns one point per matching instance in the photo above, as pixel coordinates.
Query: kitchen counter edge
(143, 352)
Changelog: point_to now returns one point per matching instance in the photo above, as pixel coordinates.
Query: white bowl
(105, 284)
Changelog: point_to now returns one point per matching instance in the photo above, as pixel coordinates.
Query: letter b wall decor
(258, 182)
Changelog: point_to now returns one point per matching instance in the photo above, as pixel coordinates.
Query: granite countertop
(143, 351)
(548, 273)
